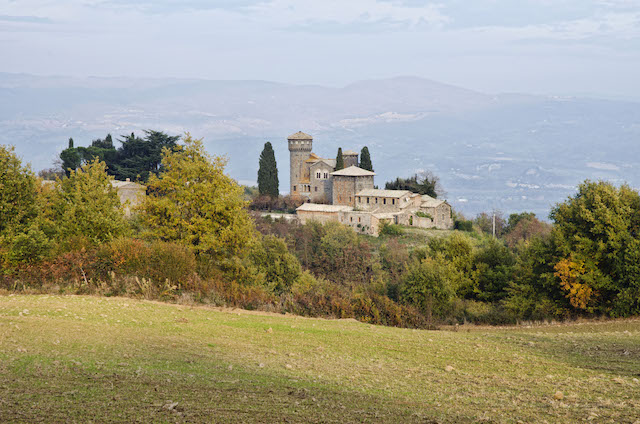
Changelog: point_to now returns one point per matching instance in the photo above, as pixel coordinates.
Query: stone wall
(322, 217)
(350, 160)
(344, 189)
(321, 186)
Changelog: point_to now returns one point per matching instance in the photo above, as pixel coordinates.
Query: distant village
(348, 195)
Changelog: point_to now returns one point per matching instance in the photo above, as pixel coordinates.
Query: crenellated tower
(300, 145)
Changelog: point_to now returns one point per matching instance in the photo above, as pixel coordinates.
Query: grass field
(90, 359)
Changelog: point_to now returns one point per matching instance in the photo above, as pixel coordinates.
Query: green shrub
(29, 247)
(463, 225)
(424, 215)
(388, 229)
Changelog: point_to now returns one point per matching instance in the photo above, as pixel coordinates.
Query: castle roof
(374, 192)
(313, 158)
(349, 153)
(299, 136)
(353, 171)
(430, 202)
(329, 162)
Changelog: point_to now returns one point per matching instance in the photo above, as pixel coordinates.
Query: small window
(351, 219)
(393, 201)
(367, 200)
(349, 199)
(359, 199)
(316, 188)
(359, 219)
(294, 188)
(326, 175)
(376, 200)
(384, 201)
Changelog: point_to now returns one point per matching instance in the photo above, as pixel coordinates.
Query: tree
(85, 205)
(70, 158)
(70, 143)
(597, 233)
(423, 183)
(193, 202)
(339, 160)
(17, 192)
(135, 159)
(365, 159)
(268, 172)
(430, 285)
(526, 227)
(280, 269)
(484, 221)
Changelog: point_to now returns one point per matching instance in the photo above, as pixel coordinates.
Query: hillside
(113, 359)
(510, 152)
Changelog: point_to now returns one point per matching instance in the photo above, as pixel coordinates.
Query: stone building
(130, 194)
(348, 195)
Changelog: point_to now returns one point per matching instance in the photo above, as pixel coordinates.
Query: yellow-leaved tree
(83, 205)
(193, 202)
(570, 272)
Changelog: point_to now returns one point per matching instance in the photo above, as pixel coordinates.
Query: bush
(463, 225)
(32, 246)
(430, 285)
(388, 229)
(279, 267)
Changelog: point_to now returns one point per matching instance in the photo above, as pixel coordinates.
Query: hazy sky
(535, 46)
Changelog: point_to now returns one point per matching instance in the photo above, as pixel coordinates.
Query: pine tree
(268, 172)
(365, 159)
(339, 160)
(70, 143)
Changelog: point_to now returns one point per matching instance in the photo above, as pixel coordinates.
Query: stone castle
(348, 195)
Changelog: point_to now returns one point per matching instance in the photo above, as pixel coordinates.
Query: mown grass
(83, 359)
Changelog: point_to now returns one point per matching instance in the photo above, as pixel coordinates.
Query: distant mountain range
(509, 152)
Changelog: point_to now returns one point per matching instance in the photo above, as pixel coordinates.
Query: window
(351, 219)
(294, 188)
(318, 175)
(359, 219)
(349, 199)
(376, 200)
(384, 201)
(316, 188)
(359, 199)
(367, 200)
(326, 175)
(393, 201)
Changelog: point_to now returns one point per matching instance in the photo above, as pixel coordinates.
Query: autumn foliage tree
(600, 228)
(194, 203)
(17, 192)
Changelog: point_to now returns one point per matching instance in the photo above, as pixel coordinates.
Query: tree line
(136, 158)
(194, 236)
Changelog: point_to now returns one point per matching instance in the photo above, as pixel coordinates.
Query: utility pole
(494, 224)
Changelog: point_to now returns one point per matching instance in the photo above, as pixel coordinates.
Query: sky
(553, 47)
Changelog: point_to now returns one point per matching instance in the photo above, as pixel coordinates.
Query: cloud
(354, 16)
(172, 6)
(25, 19)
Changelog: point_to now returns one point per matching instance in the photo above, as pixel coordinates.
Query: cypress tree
(365, 159)
(268, 172)
(339, 160)
(70, 143)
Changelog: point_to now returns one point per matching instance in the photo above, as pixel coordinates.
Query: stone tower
(300, 145)
(350, 158)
